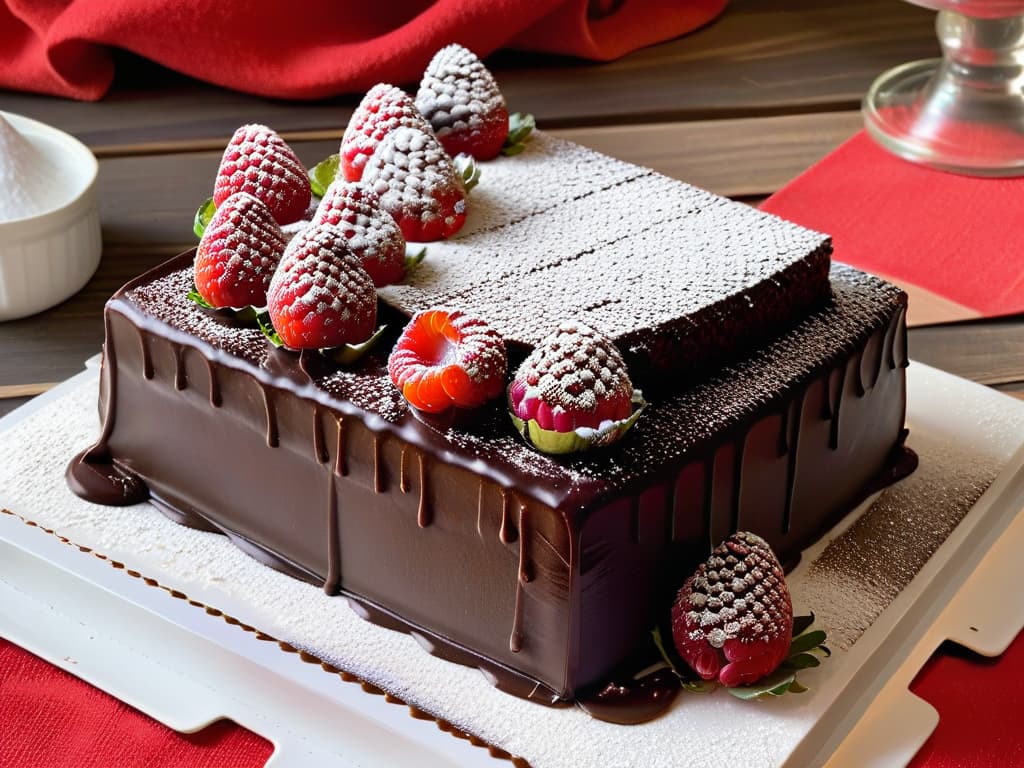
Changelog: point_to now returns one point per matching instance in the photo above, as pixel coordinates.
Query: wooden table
(739, 107)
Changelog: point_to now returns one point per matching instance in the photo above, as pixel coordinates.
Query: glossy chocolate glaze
(545, 573)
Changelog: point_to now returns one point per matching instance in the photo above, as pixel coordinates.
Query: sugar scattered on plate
(27, 176)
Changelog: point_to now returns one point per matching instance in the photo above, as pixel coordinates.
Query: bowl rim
(83, 155)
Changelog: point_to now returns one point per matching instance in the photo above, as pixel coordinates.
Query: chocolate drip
(633, 700)
(147, 358)
(180, 377)
(403, 471)
(634, 521)
(899, 343)
(378, 470)
(507, 532)
(480, 509)
(92, 474)
(837, 409)
(319, 448)
(859, 380)
(423, 513)
(524, 576)
(268, 404)
(709, 489)
(215, 399)
(332, 584)
(737, 481)
(340, 463)
(794, 450)
(783, 432)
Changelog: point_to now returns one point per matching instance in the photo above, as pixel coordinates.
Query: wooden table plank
(763, 57)
(986, 351)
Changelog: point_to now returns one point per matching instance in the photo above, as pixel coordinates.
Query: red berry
(418, 185)
(460, 98)
(372, 233)
(383, 108)
(574, 378)
(445, 358)
(259, 162)
(238, 253)
(320, 295)
(733, 619)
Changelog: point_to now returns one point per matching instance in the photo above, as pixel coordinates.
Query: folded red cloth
(956, 236)
(313, 49)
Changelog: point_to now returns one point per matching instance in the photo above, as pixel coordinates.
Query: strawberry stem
(520, 126)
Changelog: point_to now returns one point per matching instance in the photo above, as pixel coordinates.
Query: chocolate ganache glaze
(546, 573)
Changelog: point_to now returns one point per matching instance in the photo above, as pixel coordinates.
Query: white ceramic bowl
(46, 258)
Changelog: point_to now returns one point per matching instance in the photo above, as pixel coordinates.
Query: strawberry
(460, 98)
(572, 391)
(320, 295)
(418, 185)
(372, 233)
(383, 108)
(445, 358)
(238, 253)
(259, 162)
(733, 619)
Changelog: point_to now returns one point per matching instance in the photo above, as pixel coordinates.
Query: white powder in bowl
(27, 176)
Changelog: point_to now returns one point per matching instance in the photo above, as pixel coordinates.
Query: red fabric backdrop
(312, 49)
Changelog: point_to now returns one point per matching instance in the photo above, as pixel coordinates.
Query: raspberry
(445, 358)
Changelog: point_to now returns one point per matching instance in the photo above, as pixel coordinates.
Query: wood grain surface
(739, 107)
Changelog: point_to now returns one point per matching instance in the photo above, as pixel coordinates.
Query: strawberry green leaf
(322, 174)
(520, 126)
(414, 258)
(249, 315)
(203, 216)
(351, 353)
(802, 661)
(197, 297)
(265, 324)
(775, 684)
(468, 170)
(802, 623)
(806, 642)
(795, 687)
(671, 659)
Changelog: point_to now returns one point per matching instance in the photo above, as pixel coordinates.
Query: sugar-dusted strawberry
(320, 295)
(383, 108)
(460, 98)
(259, 162)
(445, 358)
(573, 392)
(417, 184)
(238, 253)
(732, 621)
(372, 233)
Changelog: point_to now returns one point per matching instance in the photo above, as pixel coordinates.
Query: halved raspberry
(445, 358)
(733, 619)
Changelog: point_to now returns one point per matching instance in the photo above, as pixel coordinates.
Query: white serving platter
(186, 668)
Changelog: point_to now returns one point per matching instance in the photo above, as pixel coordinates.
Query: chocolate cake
(776, 396)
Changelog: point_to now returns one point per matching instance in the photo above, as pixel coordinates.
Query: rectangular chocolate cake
(776, 389)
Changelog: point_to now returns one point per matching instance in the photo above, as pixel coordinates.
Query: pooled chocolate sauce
(634, 700)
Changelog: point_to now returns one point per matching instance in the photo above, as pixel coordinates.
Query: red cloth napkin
(48, 717)
(312, 49)
(956, 236)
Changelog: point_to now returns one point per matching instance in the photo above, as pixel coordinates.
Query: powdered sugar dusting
(458, 95)
(416, 181)
(371, 232)
(383, 109)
